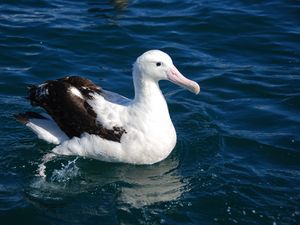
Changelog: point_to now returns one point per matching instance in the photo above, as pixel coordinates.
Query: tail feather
(44, 127)
(25, 117)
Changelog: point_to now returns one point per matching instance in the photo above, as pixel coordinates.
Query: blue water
(237, 159)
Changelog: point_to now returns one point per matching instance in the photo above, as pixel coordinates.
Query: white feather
(47, 130)
(150, 135)
(76, 92)
(149, 138)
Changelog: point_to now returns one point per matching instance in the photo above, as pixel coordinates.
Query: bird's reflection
(137, 186)
(150, 185)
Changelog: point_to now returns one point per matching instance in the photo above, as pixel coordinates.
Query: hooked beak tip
(176, 77)
(196, 89)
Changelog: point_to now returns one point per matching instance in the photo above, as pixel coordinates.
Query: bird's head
(157, 65)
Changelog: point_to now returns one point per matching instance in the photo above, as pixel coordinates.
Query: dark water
(237, 160)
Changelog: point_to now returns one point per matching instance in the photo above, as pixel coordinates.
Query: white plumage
(149, 135)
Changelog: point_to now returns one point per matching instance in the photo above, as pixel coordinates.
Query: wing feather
(70, 110)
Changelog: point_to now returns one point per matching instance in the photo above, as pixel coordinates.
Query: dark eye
(158, 64)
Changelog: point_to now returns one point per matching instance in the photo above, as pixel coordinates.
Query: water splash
(53, 191)
(42, 167)
(66, 173)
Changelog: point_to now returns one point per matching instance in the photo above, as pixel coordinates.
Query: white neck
(148, 94)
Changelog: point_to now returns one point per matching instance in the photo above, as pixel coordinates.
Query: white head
(157, 65)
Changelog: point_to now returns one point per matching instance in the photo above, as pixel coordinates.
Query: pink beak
(177, 78)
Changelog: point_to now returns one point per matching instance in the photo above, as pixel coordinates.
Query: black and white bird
(83, 119)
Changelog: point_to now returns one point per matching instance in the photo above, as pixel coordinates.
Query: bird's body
(85, 120)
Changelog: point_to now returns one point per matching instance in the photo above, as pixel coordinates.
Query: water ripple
(237, 156)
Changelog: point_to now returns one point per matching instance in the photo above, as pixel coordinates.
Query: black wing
(85, 86)
(71, 112)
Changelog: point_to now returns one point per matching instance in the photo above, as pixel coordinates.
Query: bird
(83, 119)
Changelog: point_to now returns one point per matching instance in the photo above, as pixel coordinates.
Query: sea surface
(237, 158)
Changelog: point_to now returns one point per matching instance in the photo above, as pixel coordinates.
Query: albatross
(83, 119)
